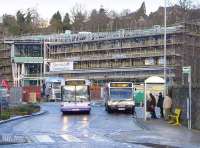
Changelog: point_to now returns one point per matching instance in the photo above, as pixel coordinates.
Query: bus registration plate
(75, 109)
(121, 108)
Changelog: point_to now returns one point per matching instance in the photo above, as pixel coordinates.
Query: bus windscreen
(75, 93)
(56, 85)
(121, 93)
(82, 93)
(68, 93)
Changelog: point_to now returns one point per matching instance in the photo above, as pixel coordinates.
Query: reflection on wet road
(99, 129)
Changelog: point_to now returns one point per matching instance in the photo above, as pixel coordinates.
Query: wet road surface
(97, 130)
(56, 130)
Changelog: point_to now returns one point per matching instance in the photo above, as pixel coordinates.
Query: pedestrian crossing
(45, 138)
(70, 138)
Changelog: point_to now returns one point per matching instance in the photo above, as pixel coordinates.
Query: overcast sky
(47, 8)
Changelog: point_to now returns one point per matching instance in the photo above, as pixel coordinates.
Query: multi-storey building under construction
(124, 55)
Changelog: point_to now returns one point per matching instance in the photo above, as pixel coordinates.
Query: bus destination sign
(121, 85)
(75, 82)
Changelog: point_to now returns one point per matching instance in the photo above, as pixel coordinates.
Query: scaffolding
(130, 55)
(97, 36)
(130, 49)
(5, 62)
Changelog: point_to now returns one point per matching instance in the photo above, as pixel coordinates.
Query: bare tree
(185, 4)
(79, 16)
(125, 12)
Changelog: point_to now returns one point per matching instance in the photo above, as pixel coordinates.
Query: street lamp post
(165, 46)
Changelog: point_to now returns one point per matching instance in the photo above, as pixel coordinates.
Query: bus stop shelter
(153, 84)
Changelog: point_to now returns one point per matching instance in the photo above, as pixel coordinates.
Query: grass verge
(20, 110)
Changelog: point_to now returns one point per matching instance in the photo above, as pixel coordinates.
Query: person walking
(167, 104)
(152, 105)
(160, 104)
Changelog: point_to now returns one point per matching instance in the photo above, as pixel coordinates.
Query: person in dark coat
(160, 104)
(152, 105)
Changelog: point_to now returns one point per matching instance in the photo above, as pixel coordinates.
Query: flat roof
(96, 36)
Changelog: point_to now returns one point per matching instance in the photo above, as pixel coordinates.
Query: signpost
(187, 70)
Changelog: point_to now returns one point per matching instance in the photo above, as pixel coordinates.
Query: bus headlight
(131, 103)
(62, 104)
(110, 103)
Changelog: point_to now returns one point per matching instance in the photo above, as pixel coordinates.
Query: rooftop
(69, 37)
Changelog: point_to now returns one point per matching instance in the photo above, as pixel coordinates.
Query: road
(99, 129)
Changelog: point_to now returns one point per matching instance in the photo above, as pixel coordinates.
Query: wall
(95, 92)
(179, 96)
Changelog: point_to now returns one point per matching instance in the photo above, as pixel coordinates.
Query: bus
(119, 97)
(76, 96)
(52, 88)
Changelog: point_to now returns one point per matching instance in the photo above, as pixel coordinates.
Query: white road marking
(70, 138)
(44, 138)
(98, 138)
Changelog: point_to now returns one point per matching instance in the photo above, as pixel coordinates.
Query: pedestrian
(152, 105)
(160, 104)
(43, 89)
(148, 105)
(167, 104)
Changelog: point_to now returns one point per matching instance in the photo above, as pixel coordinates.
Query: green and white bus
(119, 96)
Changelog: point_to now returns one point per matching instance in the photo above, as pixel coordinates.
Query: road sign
(186, 70)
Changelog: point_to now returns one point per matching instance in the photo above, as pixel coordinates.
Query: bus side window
(61, 93)
(89, 93)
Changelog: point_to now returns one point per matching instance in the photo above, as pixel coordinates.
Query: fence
(95, 92)
(179, 96)
(15, 95)
(28, 93)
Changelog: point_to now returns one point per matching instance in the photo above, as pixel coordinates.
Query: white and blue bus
(76, 96)
(52, 88)
(119, 96)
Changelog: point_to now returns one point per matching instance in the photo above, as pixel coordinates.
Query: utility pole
(165, 46)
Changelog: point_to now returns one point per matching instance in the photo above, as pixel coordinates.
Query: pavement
(159, 134)
(179, 136)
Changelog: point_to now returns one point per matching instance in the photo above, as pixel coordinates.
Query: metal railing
(84, 37)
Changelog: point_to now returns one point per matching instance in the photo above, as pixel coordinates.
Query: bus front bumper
(77, 109)
(121, 107)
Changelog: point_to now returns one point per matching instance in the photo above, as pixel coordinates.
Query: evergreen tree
(21, 22)
(56, 22)
(10, 24)
(103, 20)
(66, 22)
(28, 23)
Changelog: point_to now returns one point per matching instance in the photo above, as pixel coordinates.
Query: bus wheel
(106, 107)
(132, 110)
(109, 110)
